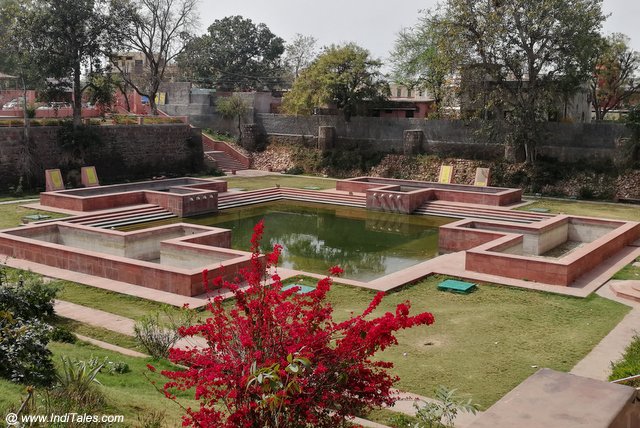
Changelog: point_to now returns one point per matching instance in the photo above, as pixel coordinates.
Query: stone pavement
(109, 321)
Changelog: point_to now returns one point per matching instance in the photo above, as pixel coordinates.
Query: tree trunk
(77, 97)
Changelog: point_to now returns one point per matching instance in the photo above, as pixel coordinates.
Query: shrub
(158, 335)
(26, 295)
(277, 358)
(62, 334)
(24, 356)
(296, 170)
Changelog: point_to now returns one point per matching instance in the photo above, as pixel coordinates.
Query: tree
(232, 107)
(277, 358)
(422, 58)
(67, 35)
(614, 79)
(159, 29)
(17, 58)
(235, 54)
(299, 53)
(521, 51)
(345, 76)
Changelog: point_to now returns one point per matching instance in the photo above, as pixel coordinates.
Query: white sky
(372, 24)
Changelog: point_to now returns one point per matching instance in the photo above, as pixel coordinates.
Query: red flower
(336, 271)
(150, 367)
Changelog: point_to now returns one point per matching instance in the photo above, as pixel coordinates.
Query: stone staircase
(222, 161)
(118, 218)
(238, 199)
(460, 210)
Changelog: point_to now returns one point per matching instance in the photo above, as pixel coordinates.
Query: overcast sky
(372, 24)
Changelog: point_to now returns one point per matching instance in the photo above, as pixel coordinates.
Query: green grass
(629, 364)
(11, 215)
(295, 181)
(588, 209)
(130, 394)
(486, 343)
(628, 272)
(108, 301)
(388, 417)
(7, 197)
(99, 333)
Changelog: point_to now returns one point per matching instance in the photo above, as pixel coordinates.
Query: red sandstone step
(466, 207)
(224, 161)
(108, 216)
(626, 289)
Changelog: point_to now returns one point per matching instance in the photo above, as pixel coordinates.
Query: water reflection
(366, 244)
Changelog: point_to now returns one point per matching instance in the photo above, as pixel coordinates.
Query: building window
(420, 93)
(408, 93)
(399, 92)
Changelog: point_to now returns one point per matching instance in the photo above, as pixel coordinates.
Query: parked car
(14, 104)
(54, 105)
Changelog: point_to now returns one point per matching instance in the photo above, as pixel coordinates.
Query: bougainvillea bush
(277, 358)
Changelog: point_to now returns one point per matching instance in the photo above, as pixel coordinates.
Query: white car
(14, 104)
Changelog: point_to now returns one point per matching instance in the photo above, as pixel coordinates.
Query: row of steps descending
(222, 161)
(459, 210)
(237, 199)
(118, 217)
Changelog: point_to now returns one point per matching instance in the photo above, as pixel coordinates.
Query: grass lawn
(11, 215)
(130, 394)
(629, 364)
(588, 209)
(486, 343)
(628, 272)
(108, 301)
(296, 181)
(99, 333)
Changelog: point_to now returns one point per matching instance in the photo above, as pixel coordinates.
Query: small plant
(153, 419)
(156, 335)
(118, 367)
(442, 412)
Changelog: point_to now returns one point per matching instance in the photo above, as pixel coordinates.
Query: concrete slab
(560, 400)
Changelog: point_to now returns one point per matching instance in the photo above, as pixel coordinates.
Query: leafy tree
(18, 59)
(614, 80)
(277, 358)
(344, 76)
(232, 107)
(159, 29)
(521, 51)
(299, 53)
(67, 35)
(423, 58)
(235, 54)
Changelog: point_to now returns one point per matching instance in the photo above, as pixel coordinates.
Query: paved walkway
(597, 364)
(111, 347)
(109, 321)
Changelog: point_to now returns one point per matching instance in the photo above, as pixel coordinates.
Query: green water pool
(366, 244)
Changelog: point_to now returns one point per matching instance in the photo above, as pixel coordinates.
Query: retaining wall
(454, 138)
(123, 151)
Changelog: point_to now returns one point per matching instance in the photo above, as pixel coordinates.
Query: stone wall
(565, 142)
(121, 152)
